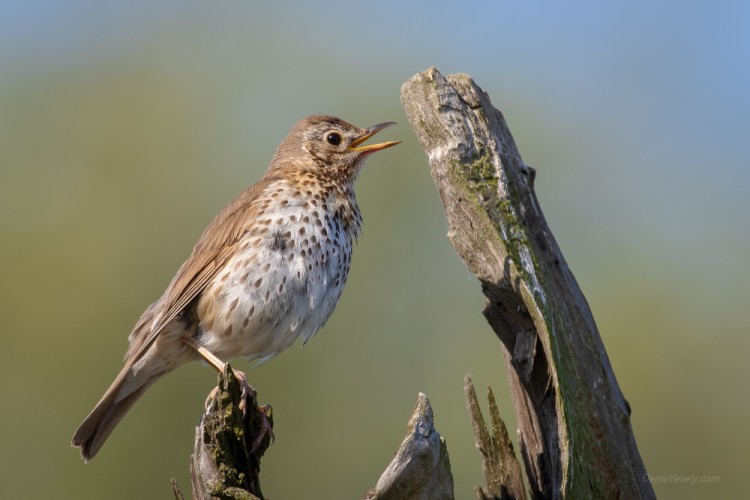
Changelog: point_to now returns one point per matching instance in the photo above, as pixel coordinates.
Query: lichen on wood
(575, 434)
(224, 464)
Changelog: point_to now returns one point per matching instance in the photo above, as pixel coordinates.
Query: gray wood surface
(574, 423)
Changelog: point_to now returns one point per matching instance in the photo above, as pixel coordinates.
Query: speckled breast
(287, 275)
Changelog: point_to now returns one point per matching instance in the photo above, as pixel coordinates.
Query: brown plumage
(268, 269)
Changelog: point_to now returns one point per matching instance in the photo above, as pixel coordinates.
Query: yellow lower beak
(369, 133)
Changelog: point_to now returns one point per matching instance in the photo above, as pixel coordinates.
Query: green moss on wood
(481, 179)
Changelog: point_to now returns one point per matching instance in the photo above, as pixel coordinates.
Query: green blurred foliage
(124, 129)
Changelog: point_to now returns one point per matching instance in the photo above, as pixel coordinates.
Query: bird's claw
(245, 387)
(265, 411)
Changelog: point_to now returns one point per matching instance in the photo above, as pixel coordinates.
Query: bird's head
(328, 147)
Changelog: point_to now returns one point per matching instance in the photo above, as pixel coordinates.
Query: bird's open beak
(369, 133)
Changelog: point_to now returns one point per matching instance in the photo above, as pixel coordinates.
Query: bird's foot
(266, 429)
(264, 411)
(246, 388)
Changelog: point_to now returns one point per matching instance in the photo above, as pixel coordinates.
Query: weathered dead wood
(574, 423)
(421, 469)
(502, 472)
(224, 465)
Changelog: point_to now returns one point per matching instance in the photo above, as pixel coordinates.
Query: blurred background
(125, 127)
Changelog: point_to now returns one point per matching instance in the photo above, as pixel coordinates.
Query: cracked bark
(575, 435)
(223, 464)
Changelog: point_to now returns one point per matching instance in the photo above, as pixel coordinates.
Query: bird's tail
(135, 377)
(119, 398)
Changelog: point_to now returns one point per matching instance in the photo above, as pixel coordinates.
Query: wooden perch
(421, 469)
(574, 423)
(224, 465)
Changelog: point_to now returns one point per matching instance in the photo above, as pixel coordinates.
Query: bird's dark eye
(333, 138)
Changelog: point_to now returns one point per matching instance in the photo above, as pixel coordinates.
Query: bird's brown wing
(214, 248)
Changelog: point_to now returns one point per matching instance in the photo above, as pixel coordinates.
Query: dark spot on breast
(279, 242)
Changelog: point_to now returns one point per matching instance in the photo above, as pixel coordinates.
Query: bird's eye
(333, 138)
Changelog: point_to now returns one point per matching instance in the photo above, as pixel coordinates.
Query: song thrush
(268, 270)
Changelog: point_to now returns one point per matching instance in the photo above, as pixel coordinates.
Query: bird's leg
(207, 355)
(220, 366)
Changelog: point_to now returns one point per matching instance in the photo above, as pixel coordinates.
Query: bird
(268, 270)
